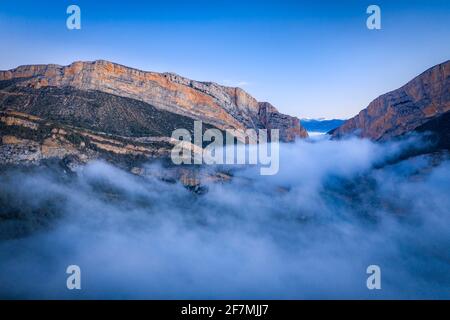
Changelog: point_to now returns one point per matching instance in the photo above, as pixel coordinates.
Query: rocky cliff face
(272, 119)
(102, 110)
(424, 98)
(219, 106)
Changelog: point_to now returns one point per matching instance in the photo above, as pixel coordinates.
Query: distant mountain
(409, 108)
(320, 125)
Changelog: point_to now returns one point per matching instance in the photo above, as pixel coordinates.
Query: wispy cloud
(232, 83)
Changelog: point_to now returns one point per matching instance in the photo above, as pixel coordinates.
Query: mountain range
(103, 110)
(321, 125)
(99, 109)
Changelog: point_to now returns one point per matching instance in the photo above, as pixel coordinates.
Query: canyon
(101, 110)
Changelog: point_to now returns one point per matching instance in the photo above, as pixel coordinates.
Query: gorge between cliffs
(86, 179)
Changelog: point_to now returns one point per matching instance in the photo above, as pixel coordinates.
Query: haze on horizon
(308, 59)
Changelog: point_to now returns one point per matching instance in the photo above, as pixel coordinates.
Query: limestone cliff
(219, 106)
(423, 99)
(101, 110)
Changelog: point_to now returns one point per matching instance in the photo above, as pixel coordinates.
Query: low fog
(309, 232)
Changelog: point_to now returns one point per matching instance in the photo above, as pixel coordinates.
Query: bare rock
(393, 114)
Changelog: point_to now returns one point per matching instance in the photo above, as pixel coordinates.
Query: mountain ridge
(402, 110)
(321, 125)
(220, 106)
(104, 111)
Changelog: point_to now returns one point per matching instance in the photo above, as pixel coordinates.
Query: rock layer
(219, 106)
(403, 110)
(101, 110)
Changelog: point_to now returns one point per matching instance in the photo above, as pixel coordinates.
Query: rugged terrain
(92, 91)
(91, 110)
(425, 98)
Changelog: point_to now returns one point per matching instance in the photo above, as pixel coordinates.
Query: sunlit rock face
(33, 89)
(393, 114)
(101, 110)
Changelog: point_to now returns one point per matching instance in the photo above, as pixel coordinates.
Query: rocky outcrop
(100, 110)
(31, 87)
(30, 139)
(289, 127)
(424, 98)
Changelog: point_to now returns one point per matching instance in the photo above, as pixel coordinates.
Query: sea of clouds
(309, 232)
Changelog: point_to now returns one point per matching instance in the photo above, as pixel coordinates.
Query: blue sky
(308, 58)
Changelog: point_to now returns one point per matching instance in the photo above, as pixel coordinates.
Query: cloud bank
(334, 208)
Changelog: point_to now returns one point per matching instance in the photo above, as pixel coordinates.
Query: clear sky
(308, 58)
